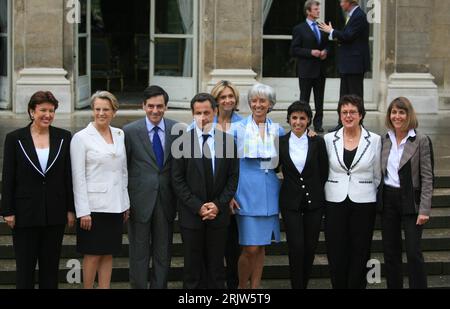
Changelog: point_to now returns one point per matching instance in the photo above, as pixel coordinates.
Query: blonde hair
(105, 95)
(403, 104)
(221, 86)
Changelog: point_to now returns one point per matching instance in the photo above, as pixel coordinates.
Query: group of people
(220, 176)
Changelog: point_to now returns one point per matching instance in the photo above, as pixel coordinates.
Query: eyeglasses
(351, 113)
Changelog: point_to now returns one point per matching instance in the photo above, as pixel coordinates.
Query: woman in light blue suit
(256, 201)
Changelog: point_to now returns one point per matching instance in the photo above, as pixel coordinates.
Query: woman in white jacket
(351, 195)
(100, 179)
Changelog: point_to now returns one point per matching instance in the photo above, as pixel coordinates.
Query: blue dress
(257, 193)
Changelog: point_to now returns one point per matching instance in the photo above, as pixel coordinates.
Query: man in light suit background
(353, 51)
(310, 47)
(152, 201)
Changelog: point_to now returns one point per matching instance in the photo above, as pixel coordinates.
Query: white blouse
(43, 154)
(298, 150)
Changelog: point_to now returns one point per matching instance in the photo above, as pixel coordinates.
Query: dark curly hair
(41, 97)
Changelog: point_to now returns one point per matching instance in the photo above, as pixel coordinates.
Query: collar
(310, 22)
(352, 11)
(303, 138)
(161, 125)
(411, 133)
(200, 133)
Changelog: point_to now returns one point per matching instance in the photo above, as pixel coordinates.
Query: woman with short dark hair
(37, 197)
(304, 163)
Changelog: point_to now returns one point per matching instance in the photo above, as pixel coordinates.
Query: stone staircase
(435, 244)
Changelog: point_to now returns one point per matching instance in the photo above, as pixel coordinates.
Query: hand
(312, 133)
(326, 28)
(212, 212)
(70, 219)
(10, 220)
(234, 205)
(323, 55)
(315, 53)
(203, 210)
(86, 223)
(422, 220)
(126, 216)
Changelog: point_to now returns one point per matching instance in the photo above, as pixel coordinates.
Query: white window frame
(6, 104)
(287, 88)
(83, 83)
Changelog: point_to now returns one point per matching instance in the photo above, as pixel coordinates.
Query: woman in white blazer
(351, 195)
(100, 180)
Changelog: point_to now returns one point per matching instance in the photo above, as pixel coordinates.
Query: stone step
(432, 240)
(275, 267)
(434, 282)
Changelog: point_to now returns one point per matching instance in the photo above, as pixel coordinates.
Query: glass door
(173, 48)
(83, 55)
(5, 54)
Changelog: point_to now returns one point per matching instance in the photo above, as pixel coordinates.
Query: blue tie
(316, 32)
(157, 148)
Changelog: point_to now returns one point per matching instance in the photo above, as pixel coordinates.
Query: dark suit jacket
(147, 184)
(303, 41)
(188, 179)
(415, 173)
(37, 198)
(313, 177)
(354, 51)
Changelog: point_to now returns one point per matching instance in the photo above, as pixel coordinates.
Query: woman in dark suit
(304, 163)
(406, 164)
(37, 198)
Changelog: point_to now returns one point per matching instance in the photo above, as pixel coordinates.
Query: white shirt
(43, 154)
(209, 141)
(349, 16)
(161, 132)
(298, 150)
(310, 22)
(395, 156)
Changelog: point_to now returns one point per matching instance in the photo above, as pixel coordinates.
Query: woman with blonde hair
(100, 181)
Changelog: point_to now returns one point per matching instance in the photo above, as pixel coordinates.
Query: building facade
(74, 47)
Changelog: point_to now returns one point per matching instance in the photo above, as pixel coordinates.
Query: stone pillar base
(419, 88)
(242, 79)
(43, 79)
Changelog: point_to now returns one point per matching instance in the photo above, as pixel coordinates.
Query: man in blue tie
(148, 142)
(310, 47)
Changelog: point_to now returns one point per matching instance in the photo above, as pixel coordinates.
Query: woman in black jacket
(304, 163)
(37, 196)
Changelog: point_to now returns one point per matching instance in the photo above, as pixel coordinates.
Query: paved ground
(436, 126)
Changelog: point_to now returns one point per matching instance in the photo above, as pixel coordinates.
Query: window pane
(3, 16)
(174, 16)
(173, 57)
(277, 61)
(82, 52)
(284, 15)
(83, 15)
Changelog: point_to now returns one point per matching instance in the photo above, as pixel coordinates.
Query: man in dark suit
(310, 47)
(354, 50)
(148, 142)
(205, 176)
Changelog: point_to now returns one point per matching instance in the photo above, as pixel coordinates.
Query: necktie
(157, 148)
(207, 166)
(316, 31)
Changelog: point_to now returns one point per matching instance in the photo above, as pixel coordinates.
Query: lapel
(218, 164)
(291, 164)
(411, 147)
(312, 34)
(27, 145)
(145, 139)
(338, 143)
(196, 154)
(355, 13)
(387, 145)
(168, 140)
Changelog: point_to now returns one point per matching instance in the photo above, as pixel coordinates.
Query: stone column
(39, 52)
(412, 76)
(230, 37)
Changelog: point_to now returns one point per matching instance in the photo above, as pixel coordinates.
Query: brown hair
(355, 101)
(403, 104)
(309, 4)
(41, 97)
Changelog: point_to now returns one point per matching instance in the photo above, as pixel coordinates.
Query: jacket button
(307, 194)
(301, 179)
(303, 187)
(309, 202)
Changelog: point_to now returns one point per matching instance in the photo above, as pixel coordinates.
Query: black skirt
(105, 236)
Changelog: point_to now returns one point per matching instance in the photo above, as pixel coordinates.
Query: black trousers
(40, 245)
(302, 233)
(348, 232)
(352, 84)
(232, 253)
(204, 250)
(318, 86)
(393, 221)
